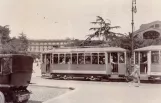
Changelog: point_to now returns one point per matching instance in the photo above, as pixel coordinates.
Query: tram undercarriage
(92, 77)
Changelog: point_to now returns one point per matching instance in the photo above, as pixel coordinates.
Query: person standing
(136, 74)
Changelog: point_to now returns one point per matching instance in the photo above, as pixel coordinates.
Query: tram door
(121, 63)
(143, 63)
(113, 62)
(46, 62)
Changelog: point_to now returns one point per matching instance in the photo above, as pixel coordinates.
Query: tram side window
(87, 58)
(136, 57)
(68, 59)
(155, 56)
(101, 58)
(94, 58)
(81, 58)
(121, 58)
(61, 59)
(55, 58)
(74, 58)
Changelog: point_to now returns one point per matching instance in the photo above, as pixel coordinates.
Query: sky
(59, 19)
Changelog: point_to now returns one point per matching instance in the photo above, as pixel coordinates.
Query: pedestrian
(136, 74)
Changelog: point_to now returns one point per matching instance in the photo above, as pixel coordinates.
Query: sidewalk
(36, 71)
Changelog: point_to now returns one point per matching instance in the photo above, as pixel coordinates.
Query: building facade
(44, 45)
(149, 31)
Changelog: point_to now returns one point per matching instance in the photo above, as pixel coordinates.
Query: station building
(149, 31)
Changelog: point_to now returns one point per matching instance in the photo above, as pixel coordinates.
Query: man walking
(136, 75)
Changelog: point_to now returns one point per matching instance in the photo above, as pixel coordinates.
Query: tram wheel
(2, 98)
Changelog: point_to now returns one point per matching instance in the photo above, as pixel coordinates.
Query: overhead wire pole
(134, 10)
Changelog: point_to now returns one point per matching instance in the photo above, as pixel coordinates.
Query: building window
(152, 26)
(155, 57)
(151, 35)
(156, 25)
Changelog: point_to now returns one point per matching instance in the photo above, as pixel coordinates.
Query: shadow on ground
(110, 80)
(31, 101)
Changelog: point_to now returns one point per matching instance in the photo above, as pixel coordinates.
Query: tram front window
(121, 58)
(143, 57)
(114, 62)
(48, 61)
(155, 57)
(136, 57)
(94, 58)
(143, 62)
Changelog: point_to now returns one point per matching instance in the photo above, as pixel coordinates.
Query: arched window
(151, 35)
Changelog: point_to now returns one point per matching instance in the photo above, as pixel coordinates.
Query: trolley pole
(132, 34)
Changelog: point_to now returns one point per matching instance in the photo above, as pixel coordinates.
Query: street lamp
(134, 10)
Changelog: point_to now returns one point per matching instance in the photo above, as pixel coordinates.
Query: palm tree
(104, 30)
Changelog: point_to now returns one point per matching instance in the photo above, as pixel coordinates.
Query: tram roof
(96, 49)
(149, 48)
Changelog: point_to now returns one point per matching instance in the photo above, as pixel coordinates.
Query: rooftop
(150, 48)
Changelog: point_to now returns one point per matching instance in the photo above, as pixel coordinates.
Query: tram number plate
(23, 97)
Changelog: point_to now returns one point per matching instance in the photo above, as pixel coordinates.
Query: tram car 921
(91, 63)
(149, 60)
(15, 76)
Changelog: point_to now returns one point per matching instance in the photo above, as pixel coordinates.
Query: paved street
(103, 92)
(95, 92)
(41, 93)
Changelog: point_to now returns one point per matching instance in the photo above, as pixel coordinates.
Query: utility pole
(134, 10)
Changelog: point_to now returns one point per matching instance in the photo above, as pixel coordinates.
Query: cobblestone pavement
(41, 93)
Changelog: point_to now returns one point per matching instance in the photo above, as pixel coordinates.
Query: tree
(104, 30)
(19, 44)
(4, 34)
(23, 42)
(16, 45)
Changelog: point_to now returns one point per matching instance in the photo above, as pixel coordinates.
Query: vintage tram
(15, 76)
(149, 59)
(88, 62)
